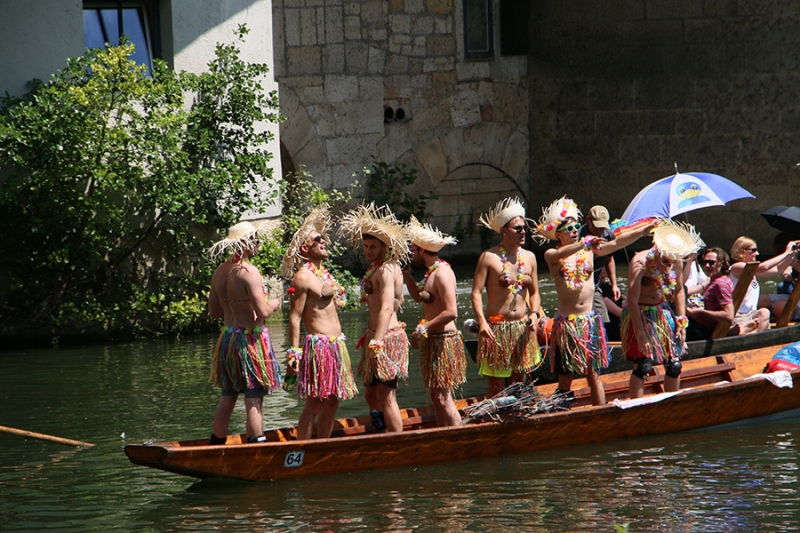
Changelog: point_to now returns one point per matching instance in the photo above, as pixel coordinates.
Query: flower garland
(431, 270)
(514, 285)
(665, 281)
(575, 276)
(370, 271)
(322, 273)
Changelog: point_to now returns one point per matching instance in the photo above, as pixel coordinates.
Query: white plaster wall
(36, 38)
(198, 25)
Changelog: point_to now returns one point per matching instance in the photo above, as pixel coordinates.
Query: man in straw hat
(384, 345)
(443, 361)
(650, 329)
(578, 342)
(322, 363)
(244, 360)
(508, 346)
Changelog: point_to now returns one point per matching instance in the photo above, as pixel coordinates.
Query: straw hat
(426, 236)
(504, 211)
(676, 240)
(378, 222)
(238, 240)
(553, 216)
(319, 220)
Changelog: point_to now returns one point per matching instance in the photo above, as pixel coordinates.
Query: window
(514, 29)
(478, 35)
(105, 22)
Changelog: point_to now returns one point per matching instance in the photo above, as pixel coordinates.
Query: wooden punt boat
(715, 390)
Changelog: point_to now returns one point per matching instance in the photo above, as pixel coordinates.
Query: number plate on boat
(293, 459)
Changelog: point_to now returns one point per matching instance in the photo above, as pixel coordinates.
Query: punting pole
(44, 436)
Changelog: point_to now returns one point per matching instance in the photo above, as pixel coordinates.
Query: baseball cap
(599, 216)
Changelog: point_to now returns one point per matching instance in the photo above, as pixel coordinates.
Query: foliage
(107, 177)
(389, 186)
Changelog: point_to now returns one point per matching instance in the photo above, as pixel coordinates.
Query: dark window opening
(514, 20)
(478, 34)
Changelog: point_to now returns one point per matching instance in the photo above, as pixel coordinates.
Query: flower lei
(326, 277)
(431, 270)
(514, 285)
(576, 276)
(665, 281)
(370, 271)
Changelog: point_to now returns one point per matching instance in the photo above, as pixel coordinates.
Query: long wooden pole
(44, 436)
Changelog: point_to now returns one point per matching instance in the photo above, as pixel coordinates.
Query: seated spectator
(717, 299)
(778, 301)
(756, 307)
(693, 273)
(614, 306)
(788, 279)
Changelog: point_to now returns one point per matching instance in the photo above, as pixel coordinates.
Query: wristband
(682, 321)
(421, 330)
(587, 243)
(295, 352)
(376, 345)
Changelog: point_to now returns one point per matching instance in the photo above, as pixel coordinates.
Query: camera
(795, 247)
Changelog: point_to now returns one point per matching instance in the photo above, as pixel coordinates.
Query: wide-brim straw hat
(238, 240)
(319, 220)
(378, 222)
(426, 236)
(504, 211)
(676, 240)
(553, 216)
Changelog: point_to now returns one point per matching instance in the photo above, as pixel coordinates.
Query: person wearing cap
(443, 359)
(597, 224)
(384, 345)
(507, 345)
(244, 360)
(653, 326)
(322, 364)
(578, 341)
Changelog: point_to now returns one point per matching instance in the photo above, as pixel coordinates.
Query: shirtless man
(237, 297)
(443, 361)
(579, 344)
(384, 346)
(508, 345)
(651, 331)
(322, 364)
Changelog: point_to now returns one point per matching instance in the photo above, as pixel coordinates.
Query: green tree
(388, 185)
(109, 179)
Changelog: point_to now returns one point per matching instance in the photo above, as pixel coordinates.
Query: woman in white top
(743, 251)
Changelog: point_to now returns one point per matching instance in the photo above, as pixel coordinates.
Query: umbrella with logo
(783, 218)
(681, 193)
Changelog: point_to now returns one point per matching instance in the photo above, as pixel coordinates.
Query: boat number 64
(293, 459)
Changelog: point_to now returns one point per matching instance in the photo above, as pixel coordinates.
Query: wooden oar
(44, 436)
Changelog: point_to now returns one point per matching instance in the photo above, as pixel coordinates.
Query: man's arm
(445, 284)
(215, 309)
(726, 313)
(383, 283)
(624, 238)
(255, 290)
(534, 297)
(635, 275)
(478, 284)
(297, 303)
(611, 269)
(411, 283)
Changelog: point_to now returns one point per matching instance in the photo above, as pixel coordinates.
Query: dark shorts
(249, 393)
(392, 384)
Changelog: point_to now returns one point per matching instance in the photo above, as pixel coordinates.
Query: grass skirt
(389, 364)
(660, 329)
(515, 348)
(244, 360)
(324, 369)
(581, 341)
(443, 360)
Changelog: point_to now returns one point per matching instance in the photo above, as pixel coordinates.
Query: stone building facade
(388, 79)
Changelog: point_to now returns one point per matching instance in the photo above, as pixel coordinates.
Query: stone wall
(620, 91)
(342, 64)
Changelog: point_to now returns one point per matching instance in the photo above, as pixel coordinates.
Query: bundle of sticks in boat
(518, 401)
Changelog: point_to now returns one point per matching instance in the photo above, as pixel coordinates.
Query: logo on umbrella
(691, 193)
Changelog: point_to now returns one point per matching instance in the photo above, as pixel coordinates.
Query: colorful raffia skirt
(443, 360)
(661, 331)
(388, 364)
(580, 341)
(244, 360)
(324, 369)
(515, 349)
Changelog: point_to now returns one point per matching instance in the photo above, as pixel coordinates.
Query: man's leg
(372, 398)
(495, 385)
(327, 416)
(445, 407)
(387, 403)
(222, 416)
(305, 426)
(255, 419)
(598, 393)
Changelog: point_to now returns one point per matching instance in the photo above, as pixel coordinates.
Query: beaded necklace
(665, 281)
(370, 271)
(327, 278)
(431, 270)
(576, 275)
(514, 285)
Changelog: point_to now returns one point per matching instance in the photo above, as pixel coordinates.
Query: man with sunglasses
(507, 344)
(653, 326)
(717, 293)
(578, 343)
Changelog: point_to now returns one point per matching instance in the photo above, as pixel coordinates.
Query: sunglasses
(318, 239)
(518, 229)
(709, 262)
(569, 227)
(751, 250)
